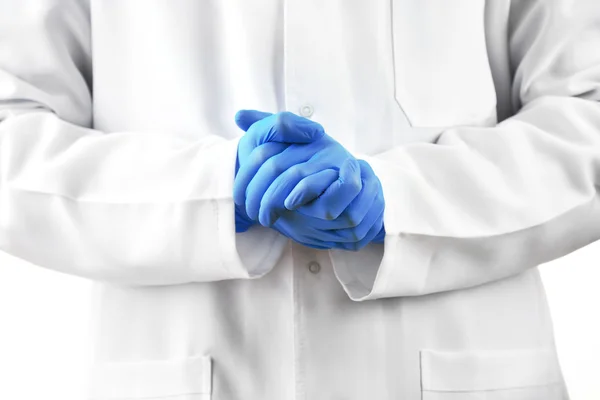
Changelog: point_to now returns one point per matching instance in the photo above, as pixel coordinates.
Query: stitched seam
(558, 215)
(394, 73)
(493, 390)
(152, 397)
(73, 199)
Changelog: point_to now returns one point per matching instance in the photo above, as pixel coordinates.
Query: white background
(44, 327)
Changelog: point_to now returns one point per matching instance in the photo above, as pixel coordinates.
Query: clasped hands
(293, 177)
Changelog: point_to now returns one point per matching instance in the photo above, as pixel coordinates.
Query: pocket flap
(151, 378)
(452, 371)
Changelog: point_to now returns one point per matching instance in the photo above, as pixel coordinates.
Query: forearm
(127, 207)
(481, 204)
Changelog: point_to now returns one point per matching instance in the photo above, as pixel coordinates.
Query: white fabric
(152, 378)
(455, 371)
(117, 155)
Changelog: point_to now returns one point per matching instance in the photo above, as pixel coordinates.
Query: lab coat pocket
(172, 379)
(491, 375)
(441, 66)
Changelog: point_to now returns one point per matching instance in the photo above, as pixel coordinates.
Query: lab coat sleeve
(484, 203)
(134, 208)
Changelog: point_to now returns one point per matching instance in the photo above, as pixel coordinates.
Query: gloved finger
(322, 224)
(245, 118)
(250, 166)
(380, 238)
(269, 171)
(242, 222)
(316, 246)
(368, 170)
(286, 228)
(358, 208)
(283, 127)
(310, 188)
(360, 231)
(338, 195)
(355, 234)
(370, 196)
(372, 233)
(272, 203)
(343, 227)
(287, 127)
(318, 223)
(251, 138)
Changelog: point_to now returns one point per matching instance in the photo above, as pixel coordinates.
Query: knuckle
(354, 184)
(361, 234)
(259, 154)
(296, 172)
(366, 169)
(317, 130)
(282, 119)
(354, 218)
(358, 246)
(273, 166)
(341, 235)
(285, 115)
(351, 219)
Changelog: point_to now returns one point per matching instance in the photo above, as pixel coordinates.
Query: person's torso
(375, 74)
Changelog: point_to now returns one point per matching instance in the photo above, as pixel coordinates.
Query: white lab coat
(481, 119)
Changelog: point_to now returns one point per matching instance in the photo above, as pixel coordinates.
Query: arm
(482, 204)
(127, 207)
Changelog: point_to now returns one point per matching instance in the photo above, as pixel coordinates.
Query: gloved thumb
(245, 118)
(285, 127)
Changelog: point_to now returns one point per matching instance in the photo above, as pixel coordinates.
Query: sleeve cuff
(247, 255)
(396, 267)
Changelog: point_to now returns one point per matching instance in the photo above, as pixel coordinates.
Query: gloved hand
(358, 225)
(271, 133)
(285, 169)
(292, 178)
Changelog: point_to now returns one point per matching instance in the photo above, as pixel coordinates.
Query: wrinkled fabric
(481, 119)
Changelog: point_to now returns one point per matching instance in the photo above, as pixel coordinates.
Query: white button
(306, 110)
(314, 267)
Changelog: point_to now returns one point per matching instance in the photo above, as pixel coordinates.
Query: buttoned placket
(294, 101)
(306, 110)
(308, 266)
(303, 93)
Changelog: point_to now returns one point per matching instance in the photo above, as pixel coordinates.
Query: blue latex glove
(360, 224)
(265, 183)
(271, 133)
(321, 170)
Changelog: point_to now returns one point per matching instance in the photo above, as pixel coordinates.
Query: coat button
(306, 110)
(314, 267)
